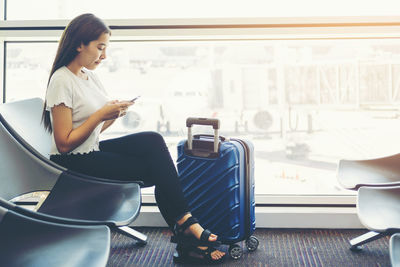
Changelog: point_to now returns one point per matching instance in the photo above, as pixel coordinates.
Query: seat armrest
(140, 183)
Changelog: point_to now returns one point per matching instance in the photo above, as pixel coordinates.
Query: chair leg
(365, 238)
(141, 238)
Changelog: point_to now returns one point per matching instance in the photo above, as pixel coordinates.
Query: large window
(308, 82)
(304, 104)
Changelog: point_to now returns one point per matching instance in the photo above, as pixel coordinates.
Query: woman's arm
(106, 125)
(67, 138)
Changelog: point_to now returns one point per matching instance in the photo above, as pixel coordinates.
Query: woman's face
(91, 55)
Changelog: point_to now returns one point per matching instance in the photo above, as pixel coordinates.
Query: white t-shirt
(84, 97)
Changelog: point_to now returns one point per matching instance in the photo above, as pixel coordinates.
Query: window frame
(136, 30)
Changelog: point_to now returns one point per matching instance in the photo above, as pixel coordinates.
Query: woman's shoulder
(60, 73)
(60, 84)
(59, 90)
(60, 76)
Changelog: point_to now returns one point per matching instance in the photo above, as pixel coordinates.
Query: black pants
(141, 156)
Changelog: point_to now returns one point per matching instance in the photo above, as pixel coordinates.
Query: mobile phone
(134, 99)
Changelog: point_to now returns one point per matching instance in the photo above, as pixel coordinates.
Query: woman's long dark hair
(81, 30)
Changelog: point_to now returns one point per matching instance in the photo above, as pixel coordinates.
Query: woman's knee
(154, 138)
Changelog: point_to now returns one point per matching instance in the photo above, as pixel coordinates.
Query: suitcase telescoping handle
(203, 121)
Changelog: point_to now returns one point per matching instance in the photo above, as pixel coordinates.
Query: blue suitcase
(217, 178)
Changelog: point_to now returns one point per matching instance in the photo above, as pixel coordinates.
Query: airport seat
(357, 174)
(385, 171)
(34, 239)
(394, 249)
(378, 209)
(25, 167)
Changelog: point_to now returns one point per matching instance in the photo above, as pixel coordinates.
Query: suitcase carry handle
(203, 121)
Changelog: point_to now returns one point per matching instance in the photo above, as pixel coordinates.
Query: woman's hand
(114, 109)
(67, 138)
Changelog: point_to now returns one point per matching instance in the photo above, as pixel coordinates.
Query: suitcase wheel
(252, 243)
(235, 251)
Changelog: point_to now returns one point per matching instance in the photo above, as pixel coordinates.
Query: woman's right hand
(114, 109)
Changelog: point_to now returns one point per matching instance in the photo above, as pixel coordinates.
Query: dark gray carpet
(278, 247)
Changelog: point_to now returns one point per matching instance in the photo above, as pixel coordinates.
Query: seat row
(72, 226)
(377, 182)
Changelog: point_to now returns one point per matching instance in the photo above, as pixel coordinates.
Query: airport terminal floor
(278, 248)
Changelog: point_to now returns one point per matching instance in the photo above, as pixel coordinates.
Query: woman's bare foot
(196, 230)
(215, 255)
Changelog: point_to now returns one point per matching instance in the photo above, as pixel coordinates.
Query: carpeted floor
(278, 247)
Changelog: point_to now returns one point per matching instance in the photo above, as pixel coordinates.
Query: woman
(77, 110)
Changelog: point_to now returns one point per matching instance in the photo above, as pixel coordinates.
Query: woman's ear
(79, 48)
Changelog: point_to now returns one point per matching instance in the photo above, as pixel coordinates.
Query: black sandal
(180, 237)
(195, 255)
